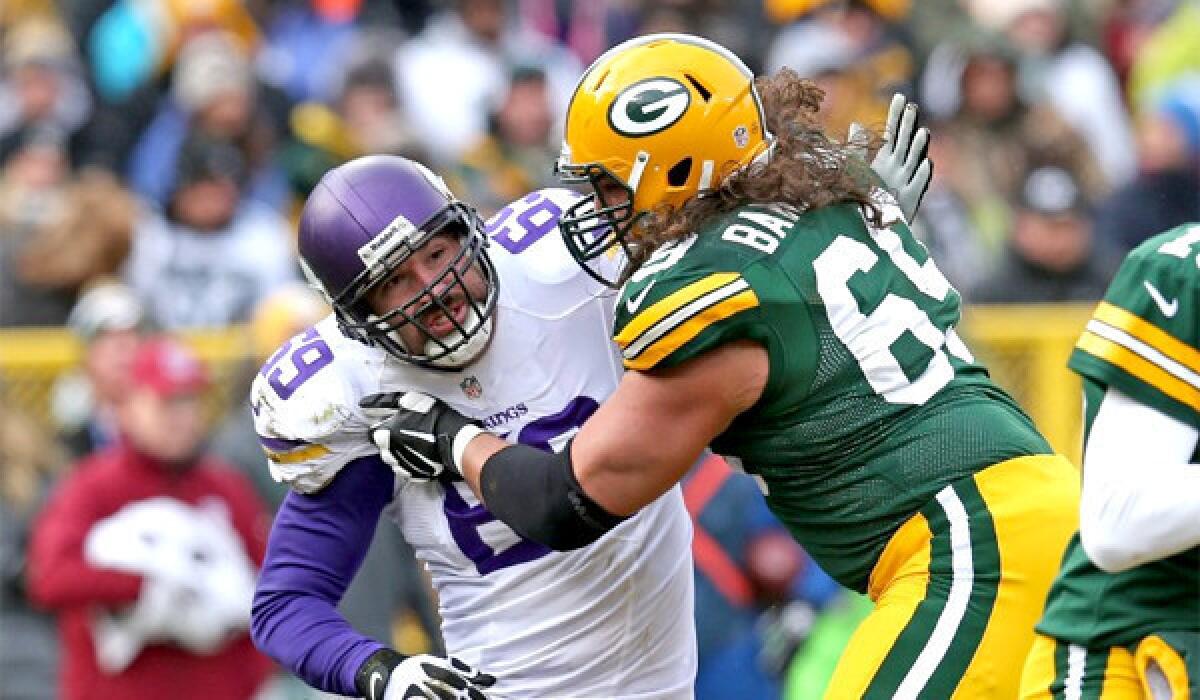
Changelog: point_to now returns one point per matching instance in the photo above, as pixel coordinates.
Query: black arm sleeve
(537, 495)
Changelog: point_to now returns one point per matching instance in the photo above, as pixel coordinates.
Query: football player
(778, 308)
(1123, 618)
(517, 338)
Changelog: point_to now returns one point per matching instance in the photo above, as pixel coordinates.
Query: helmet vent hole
(677, 176)
(705, 93)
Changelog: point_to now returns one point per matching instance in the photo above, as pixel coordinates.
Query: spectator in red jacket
(147, 551)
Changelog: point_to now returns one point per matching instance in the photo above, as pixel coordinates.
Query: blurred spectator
(57, 232)
(33, 177)
(216, 254)
(1168, 54)
(1126, 26)
(580, 25)
(214, 91)
(945, 227)
(1166, 192)
(1053, 255)
(132, 46)
(1072, 77)
(29, 462)
(738, 25)
(109, 322)
(299, 30)
(131, 43)
(365, 118)
(460, 64)
(746, 563)
(515, 156)
(147, 552)
(40, 80)
(855, 51)
(985, 149)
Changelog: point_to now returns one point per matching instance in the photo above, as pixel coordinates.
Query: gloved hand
(783, 630)
(420, 436)
(902, 162)
(387, 675)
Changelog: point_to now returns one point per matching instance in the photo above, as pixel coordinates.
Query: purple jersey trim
(281, 444)
(317, 544)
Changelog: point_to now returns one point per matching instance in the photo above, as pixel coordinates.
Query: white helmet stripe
(639, 167)
(706, 173)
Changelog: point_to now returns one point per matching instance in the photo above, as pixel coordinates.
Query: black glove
(387, 675)
(422, 437)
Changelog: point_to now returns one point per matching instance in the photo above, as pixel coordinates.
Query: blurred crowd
(154, 154)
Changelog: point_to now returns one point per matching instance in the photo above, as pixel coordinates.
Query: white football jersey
(612, 620)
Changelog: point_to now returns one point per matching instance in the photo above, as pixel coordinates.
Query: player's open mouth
(440, 325)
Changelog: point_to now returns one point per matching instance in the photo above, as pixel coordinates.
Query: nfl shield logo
(471, 387)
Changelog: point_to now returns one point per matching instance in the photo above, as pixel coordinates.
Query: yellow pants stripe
(1057, 670)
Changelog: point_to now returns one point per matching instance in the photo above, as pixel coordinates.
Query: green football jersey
(873, 402)
(1143, 339)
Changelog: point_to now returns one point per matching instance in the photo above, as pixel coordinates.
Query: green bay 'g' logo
(648, 106)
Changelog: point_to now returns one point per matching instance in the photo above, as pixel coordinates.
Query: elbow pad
(537, 495)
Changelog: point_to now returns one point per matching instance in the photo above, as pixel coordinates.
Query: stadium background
(1065, 132)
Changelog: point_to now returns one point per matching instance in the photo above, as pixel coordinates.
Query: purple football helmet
(362, 221)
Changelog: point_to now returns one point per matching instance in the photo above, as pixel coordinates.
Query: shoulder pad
(1144, 337)
(1160, 281)
(305, 405)
(677, 304)
(537, 271)
(525, 234)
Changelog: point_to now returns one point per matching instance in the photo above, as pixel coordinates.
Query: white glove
(436, 678)
(902, 162)
(423, 677)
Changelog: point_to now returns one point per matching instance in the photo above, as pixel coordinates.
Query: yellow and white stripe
(955, 608)
(295, 457)
(1144, 351)
(669, 323)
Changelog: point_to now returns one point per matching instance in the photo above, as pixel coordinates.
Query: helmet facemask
(593, 226)
(450, 289)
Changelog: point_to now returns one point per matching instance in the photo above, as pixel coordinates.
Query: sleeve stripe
(1149, 334)
(281, 444)
(1125, 352)
(664, 307)
(304, 455)
(738, 297)
(675, 310)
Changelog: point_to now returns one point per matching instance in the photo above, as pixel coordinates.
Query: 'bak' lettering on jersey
(873, 402)
(1143, 339)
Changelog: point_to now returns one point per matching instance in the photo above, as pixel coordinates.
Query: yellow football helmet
(664, 117)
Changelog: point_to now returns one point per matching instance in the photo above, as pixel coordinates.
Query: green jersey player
(1123, 618)
(779, 309)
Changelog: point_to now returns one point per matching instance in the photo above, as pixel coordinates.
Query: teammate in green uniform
(779, 309)
(1123, 618)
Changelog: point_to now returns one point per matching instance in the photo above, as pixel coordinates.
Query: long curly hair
(807, 168)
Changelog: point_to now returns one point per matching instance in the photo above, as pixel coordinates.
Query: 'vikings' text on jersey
(612, 620)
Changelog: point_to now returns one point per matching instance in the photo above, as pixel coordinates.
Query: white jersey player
(517, 339)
